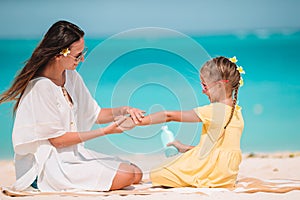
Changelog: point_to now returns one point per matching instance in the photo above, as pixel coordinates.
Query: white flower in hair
(233, 59)
(65, 52)
(241, 70)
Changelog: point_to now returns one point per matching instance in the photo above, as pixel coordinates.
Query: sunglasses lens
(78, 58)
(203, 86)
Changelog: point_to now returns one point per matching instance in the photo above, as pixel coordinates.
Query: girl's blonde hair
(221, 68)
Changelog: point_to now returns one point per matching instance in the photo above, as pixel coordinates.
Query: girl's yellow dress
(214, 162)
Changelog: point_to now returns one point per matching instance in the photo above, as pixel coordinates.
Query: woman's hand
(124, 123)
(182, 148)
(119, 125)
(107, 115)
(135, 114)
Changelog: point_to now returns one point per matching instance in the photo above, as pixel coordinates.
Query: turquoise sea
(161, 72)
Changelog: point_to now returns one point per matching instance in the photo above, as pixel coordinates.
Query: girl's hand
(135, 114)
(182, 148)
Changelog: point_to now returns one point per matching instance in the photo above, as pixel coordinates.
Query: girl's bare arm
(167, 116)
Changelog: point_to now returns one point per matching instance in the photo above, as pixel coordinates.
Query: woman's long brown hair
(59, 36)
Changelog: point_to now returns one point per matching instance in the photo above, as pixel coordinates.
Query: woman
(54, 113)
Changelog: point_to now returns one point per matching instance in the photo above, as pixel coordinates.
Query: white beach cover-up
(44, 113)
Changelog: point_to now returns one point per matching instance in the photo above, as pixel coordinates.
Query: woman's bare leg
(124, 177)
(138, 174)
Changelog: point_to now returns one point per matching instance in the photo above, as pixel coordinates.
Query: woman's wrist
(103, 131)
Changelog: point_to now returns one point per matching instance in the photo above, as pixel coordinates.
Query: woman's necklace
(60, 82)
(67, 96)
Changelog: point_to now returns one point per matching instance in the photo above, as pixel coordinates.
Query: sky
(98, 18)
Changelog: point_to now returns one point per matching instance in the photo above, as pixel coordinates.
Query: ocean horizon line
(260, 32)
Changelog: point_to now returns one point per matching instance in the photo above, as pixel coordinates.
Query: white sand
(263, 166)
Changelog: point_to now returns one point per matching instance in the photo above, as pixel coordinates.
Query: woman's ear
(57, 57)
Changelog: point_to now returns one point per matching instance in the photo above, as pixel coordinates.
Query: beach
(263, 166)
(149, 55)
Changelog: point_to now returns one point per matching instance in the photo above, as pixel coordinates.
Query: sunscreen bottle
(167, 137)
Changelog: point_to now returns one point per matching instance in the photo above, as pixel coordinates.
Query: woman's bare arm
(72, 138)
(107, 115)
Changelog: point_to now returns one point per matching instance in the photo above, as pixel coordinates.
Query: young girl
(214, 162)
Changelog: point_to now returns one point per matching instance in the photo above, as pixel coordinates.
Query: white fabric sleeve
(39, 117)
